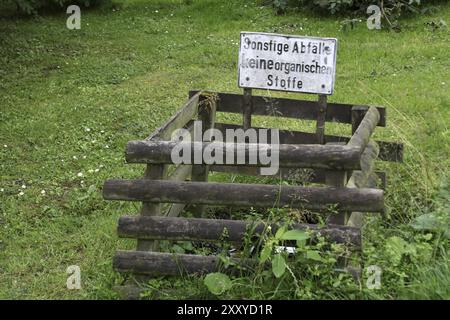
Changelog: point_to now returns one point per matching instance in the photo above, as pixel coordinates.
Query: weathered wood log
(168, 264)
(389, 151)
(239, 194)
(289, 108)
(299, 156)
(181, 173)
(368, 159)
(178, 120)
(337, 179)
(156, 171)
(207, 115)
(321, 119)
(362, 135)
(247, 108)
(175, 209)
(181, 229)
(360, 179)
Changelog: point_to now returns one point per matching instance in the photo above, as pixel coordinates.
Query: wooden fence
(344, 165)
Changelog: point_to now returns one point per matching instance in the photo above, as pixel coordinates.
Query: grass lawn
(71, 99)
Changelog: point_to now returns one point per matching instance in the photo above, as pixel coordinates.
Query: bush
(391, 10)
(31, 7)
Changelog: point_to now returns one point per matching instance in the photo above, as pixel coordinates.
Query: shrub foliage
(391, 10)
(31, 7)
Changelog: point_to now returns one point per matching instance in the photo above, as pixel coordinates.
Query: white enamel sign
(287, 63)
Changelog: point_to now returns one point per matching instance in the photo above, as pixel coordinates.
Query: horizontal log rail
(389, 151)
(178, 120)
(299, 156)
(187, 229)
(244, 195)
(365, 130)
(168, 264)
(289, 108)
(291, 174)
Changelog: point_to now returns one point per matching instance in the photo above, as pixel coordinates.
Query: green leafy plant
(278, 259)
(217, 283)
(278, 265)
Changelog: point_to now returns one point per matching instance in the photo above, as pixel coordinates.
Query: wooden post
(365, 129)
(247, 108)
(321, 118)
(206, 113)
(153, 172)
(337, 179)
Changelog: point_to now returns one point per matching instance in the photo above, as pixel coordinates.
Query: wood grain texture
(168, 264)
(181, 229)
(389, 151)
(321, 119)
(290, 155)
(365, 129)
(245, 195)
(290, 108)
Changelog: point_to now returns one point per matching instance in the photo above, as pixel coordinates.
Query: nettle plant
(288, 264)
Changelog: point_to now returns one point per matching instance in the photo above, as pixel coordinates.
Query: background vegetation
(71, 99)
(32, 7)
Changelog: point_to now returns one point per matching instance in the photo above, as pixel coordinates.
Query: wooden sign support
(247, 108)
(321, 118)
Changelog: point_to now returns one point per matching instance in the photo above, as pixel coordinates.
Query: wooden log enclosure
(334, 176)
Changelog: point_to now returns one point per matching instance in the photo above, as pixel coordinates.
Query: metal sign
(287, 63)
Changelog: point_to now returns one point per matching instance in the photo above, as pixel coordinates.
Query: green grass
(70, 100)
